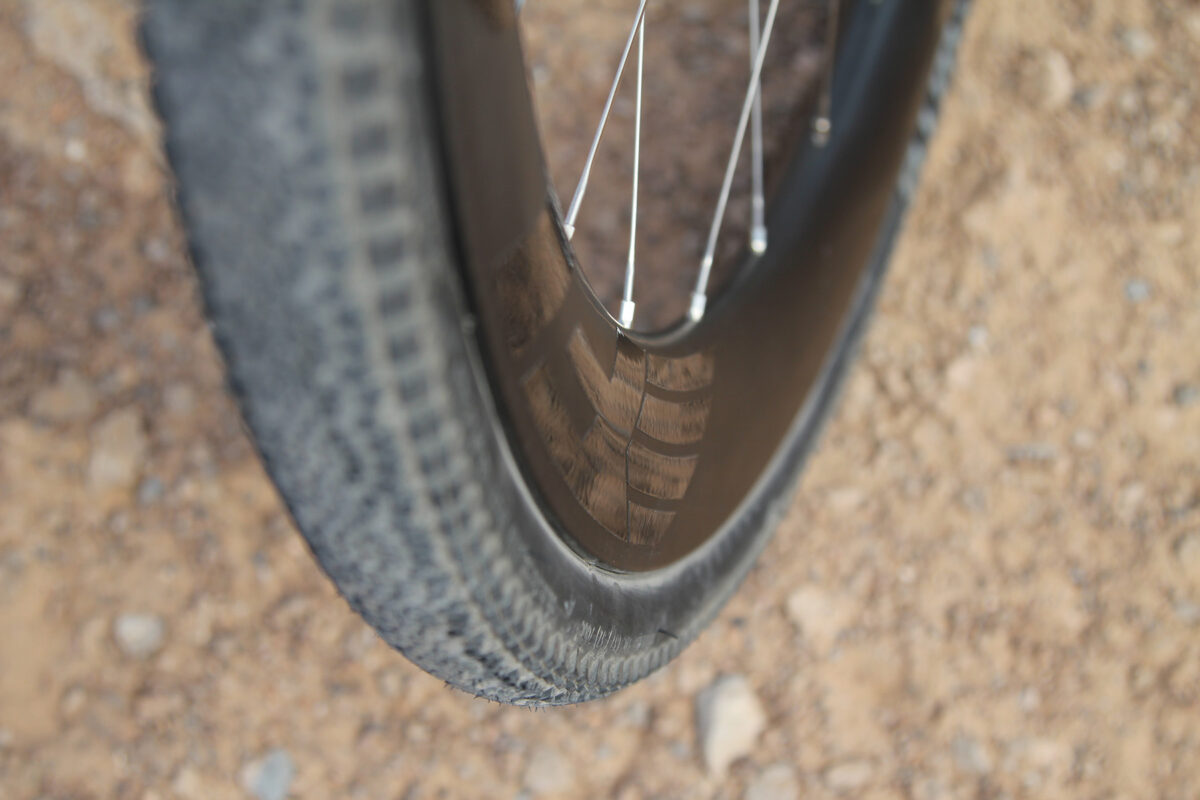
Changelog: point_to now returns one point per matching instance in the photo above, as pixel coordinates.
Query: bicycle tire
(369, 368)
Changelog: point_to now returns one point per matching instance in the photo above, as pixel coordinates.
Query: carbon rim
(640, 448)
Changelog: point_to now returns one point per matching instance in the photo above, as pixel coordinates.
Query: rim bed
(774, 335)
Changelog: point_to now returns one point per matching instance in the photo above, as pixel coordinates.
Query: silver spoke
(758, 230)
(627, 305)
(823, 121)
(581, 188)
(700, 294)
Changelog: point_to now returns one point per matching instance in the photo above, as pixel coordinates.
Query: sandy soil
(988, 587)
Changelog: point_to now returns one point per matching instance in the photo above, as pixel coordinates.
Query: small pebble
(1137, 290)
(106, 319)
(139, 635)
(1187, 612)
(118, 450)
(820, 615)
(729, 720)
(1058, 84)
(150, 491)
(1089, 97)
(189, 784)
(75, 150)
(1186, 395)
(269, 777)
(156, 249)
(849, 776)
(1138, 42)
(72, 702)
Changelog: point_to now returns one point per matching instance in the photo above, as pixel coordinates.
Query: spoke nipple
(626, 315)
(570, 230)
(758, 240)
(696, 311)
(821, 128)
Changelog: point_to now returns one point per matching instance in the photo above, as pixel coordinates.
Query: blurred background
(988, 585)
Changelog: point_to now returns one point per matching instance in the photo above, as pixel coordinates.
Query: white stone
(1139, 43)
(820, 615)
(269, 777)
(848, 776)
(1187, 611)
(961, 371)
(729, 720)
(86, 42)
(139, 635)
(118, 450)
(1058, 84)
(846, 498)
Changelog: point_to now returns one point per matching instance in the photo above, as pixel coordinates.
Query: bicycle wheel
(528, 498)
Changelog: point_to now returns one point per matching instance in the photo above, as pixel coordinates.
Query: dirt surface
(989, 585)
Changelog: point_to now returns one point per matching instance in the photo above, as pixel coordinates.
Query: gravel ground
(989, 585)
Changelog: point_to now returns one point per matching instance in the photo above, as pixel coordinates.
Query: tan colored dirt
(989, 585)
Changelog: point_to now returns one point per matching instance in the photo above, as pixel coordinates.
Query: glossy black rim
(639, 448)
